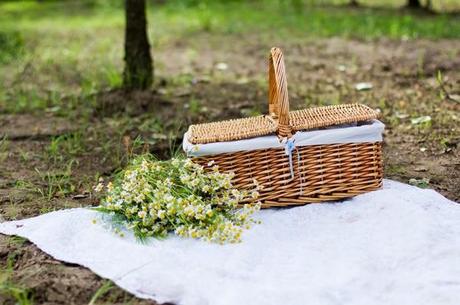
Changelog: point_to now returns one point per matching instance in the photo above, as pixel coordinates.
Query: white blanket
(398, 245)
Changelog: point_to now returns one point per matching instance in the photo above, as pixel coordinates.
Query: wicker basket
(293, 174)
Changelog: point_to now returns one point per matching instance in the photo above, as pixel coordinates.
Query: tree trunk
(414, 4)
(138, 72)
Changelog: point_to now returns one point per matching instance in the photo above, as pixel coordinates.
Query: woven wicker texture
(279, 120)
(231, 130)
(305, 119)
(330, 115)
(278, 99)
(322, 172)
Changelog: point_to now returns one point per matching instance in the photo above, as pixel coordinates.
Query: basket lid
(279, 120)
(305, 119)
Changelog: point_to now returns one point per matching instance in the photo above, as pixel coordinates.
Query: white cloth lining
(371, 132)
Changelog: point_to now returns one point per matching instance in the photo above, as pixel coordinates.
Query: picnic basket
(305, 156)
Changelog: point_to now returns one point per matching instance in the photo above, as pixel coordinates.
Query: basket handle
(278, 100)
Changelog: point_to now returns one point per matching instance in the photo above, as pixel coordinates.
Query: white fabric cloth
(398, 245)
(333, 135)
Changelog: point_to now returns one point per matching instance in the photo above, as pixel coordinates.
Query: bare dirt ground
(193, 87)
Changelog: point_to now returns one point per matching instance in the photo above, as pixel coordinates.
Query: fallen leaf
(242, 80)
(363, 86)
(401, 115)
(455, 97)
(423, 183)
(420, 120)
(221, 66)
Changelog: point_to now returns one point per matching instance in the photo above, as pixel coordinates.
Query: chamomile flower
(180, 196)
(98, 188)
(142, 214)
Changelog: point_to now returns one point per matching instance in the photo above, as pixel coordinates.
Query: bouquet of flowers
(154, 198)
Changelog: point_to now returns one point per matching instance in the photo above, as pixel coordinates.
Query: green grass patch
(294, 17)
(278, 19)
(11, 290)
(54, 54)
(65, 146)
(11, 46)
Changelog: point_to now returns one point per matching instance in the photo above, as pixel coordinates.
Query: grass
(11, 290)
(48, 50)
(104, 289)
(12, 46)
(186, 17)
(282, 21)
(70, 144)
(56, 183)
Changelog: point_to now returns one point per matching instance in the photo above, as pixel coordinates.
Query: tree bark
(414, 4)
(138, 72)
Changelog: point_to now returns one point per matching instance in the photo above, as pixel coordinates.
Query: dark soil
(320, 72)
